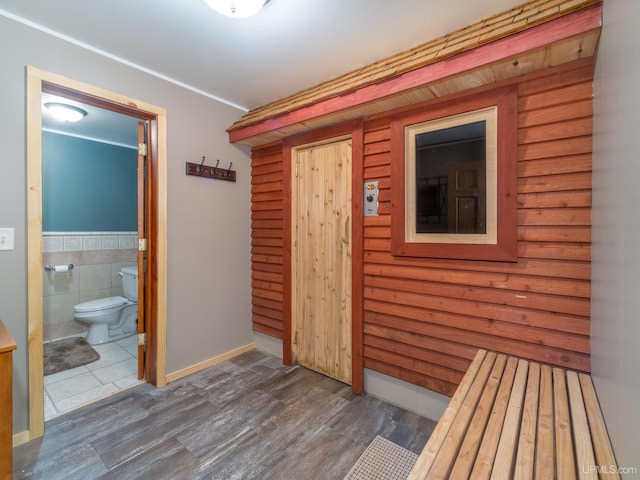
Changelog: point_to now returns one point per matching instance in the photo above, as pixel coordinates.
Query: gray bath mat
(383, 460)
(67, 353)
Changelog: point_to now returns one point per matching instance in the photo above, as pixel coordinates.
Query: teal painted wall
(87, 186)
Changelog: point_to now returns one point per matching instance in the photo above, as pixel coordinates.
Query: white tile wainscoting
(74, 241)
(97, 258)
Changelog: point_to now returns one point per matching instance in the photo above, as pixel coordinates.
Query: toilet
(112, 318)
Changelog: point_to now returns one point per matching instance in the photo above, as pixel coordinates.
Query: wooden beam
(568, 26)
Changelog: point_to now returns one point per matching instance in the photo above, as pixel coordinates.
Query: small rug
(67, 353)
(383, 460)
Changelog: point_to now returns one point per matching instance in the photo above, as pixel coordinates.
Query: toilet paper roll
(60, 269)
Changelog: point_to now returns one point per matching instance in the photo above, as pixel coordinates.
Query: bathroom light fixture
(237, 8)
(64, 112)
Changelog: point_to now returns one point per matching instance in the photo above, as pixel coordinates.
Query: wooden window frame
(502, 247)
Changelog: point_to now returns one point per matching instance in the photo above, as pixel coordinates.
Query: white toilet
(112, 318)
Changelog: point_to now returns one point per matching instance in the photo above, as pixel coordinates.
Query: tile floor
(116, 370)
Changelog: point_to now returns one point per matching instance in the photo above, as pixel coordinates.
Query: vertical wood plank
(545, 458)
(601, 443)
(565, 467)
(471, 444)
(34, 253)
(487, 453)
(503, 465)
(585, 458)
(527, 442)
(288, 272)
(439, 434)
(449, 451)
(357, 262)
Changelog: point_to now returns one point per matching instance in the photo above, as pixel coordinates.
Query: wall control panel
(371, 199)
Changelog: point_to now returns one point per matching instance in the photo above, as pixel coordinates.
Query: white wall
(615, 310)
(208, 221)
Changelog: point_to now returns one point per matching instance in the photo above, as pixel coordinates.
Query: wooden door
(142, 239)
(321, 259)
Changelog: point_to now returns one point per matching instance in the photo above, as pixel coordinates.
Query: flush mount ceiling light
(237, 8)
(64, 112)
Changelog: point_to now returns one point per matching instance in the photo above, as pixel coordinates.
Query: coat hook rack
(202, 170)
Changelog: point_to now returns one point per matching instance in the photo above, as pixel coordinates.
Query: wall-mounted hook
(199, 169)
(202, 170)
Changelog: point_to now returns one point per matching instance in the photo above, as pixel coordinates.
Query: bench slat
(581, 435)
(503, 465)
(527, 442)
(601, 443)
(444, 460)
(565, 467)
(545, 458)
(471, 444)
(513, 418)
(428, 454)
(489, 445)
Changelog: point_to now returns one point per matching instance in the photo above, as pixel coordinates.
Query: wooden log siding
(267, 220)
(424, 319)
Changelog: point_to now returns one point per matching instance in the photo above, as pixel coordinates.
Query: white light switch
(6, 238)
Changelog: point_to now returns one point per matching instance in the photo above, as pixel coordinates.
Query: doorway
(152, 247)
(322, 258)
(93, 214)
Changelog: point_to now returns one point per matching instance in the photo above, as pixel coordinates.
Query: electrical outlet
(6, 238)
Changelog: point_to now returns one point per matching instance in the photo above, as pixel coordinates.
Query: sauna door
(321, 258)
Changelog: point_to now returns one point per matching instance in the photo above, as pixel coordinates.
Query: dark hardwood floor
(250, 417)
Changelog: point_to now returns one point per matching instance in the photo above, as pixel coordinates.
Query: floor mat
(383, 460)
(67, 353)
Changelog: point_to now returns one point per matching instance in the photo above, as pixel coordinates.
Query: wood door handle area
(344, 233)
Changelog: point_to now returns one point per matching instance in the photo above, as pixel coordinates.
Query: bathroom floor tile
(107, 347)
(88, 396)
(116, 370)
(130, 344)
(56, 377)
(109, 357)
(72, 386)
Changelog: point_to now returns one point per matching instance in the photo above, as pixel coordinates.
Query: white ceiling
(289, 46)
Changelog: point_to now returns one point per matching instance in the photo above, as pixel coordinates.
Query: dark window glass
(451, 180)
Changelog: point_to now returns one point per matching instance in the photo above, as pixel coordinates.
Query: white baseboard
(172, 377)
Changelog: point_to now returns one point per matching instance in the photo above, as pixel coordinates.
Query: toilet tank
(130, 282)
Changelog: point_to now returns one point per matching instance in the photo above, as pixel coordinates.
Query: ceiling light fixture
(64, 112)
(237, 8)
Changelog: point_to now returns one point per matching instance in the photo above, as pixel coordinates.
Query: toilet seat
(100, 304)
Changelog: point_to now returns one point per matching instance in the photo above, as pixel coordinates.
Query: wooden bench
(512, 418)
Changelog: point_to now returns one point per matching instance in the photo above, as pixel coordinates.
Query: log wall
(424, 319)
